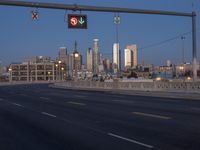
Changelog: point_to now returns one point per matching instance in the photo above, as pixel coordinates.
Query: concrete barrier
(23, 83)
(178, 86)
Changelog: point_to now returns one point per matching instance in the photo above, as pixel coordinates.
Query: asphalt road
(35, 117)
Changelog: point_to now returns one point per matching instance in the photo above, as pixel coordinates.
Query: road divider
(131, 140)
(151, 115)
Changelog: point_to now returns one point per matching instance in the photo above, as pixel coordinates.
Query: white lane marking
(76, 103)
(44, 98)
(47, 114)
(151, 115)
(17, 104)
(130, 140)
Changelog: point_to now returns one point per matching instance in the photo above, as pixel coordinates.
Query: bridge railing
(177, 86)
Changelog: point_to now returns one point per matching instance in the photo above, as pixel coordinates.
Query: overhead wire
(164, 41)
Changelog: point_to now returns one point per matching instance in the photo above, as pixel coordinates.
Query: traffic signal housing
(77, 21)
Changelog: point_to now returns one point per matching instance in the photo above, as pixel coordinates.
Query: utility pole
(183, 49)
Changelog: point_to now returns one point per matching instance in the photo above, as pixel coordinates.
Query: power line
(156, 44)
(164, 41)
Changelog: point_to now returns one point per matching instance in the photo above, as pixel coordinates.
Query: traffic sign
(77, 21)
(34, 15)
(117, 19)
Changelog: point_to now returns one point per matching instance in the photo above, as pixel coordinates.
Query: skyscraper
(128, 58)
(90, 60)
(63, 55)
(70, 66)
(96, 56)
(133, 48)
(77, 58)
(116, 58)
(64, 62)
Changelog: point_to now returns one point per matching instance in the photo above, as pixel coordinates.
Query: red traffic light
(77, 21)
(73, 21)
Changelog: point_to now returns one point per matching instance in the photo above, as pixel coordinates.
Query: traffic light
(77, 21)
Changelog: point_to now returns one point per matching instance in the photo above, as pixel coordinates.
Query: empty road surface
(36, 117)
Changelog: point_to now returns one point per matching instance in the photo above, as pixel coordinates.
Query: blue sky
(21, 37)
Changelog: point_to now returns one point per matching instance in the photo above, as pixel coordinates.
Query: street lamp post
(31, 75)
(49, 73)
(56, 72)
(76, 55)
(59, 63)
(10, 74)
(182, 71)
(62, 69)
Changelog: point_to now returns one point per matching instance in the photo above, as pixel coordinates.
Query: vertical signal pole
(194, 47)
(117, 22)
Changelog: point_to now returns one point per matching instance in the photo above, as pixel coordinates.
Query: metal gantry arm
(76, 7)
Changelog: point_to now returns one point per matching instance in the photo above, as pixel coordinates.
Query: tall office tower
(70, 65)
(128, 58)
(96, 56)
(63, 55)
(116, 58)
(77, 59)
(90, 60)
(133, 48)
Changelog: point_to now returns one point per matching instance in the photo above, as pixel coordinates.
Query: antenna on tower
(75, 46)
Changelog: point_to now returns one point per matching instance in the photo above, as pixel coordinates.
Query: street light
(76, 55)
(62, 72)
(59, 62)
(10, 74)
(56, 72)
(181, 70)
(49, 73)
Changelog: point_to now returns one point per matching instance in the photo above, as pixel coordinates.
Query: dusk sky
(20, 37)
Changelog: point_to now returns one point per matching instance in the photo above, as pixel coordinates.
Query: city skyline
(44, 36)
